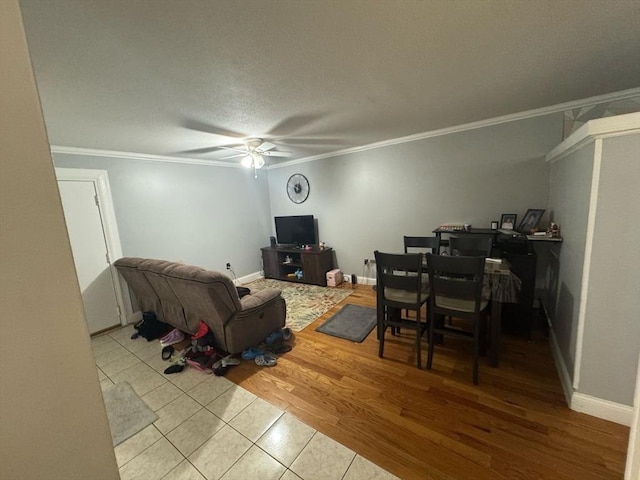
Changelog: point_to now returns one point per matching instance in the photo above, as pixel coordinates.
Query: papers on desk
(493, 260)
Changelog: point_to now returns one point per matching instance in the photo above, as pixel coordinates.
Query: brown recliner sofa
(183, 295)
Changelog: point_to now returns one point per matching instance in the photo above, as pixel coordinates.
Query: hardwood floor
(434, 424)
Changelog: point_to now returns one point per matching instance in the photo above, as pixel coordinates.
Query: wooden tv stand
(314, 263)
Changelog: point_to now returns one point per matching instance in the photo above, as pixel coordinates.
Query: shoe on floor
(266, 360)
(171, 338)
(251, 353)
(278, 336)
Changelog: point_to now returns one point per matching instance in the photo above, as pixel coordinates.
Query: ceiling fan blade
(310, 141)
(265, 146)
(237, 155)
(199, 150)
(294, 123)
(241, 150)
(277, 154)
(206, 128)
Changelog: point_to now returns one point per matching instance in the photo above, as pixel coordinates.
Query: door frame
(100, 180)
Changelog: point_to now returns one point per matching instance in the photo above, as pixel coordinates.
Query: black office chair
(456, 290)
(471, 245)
(400, 287)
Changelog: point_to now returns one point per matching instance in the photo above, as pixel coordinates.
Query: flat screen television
(296, 230)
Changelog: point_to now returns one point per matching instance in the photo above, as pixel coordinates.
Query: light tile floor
(209, 428)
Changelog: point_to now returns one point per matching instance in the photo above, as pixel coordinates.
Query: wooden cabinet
(282, 263)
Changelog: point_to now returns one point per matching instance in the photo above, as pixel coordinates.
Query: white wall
(368, 200)
(53, 422)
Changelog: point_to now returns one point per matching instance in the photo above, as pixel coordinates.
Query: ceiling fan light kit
(253, 159)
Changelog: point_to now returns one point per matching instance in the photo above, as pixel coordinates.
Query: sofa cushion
(172, 311)
(205, 295)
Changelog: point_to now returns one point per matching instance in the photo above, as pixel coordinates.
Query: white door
(90, 253)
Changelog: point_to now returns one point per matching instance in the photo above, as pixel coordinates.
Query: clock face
(298, 188)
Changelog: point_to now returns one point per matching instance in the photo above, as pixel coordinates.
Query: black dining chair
(456, 290)
(471, 245)
(399, 287)
(422, 244)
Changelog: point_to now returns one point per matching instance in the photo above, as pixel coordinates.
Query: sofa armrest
(256, 300)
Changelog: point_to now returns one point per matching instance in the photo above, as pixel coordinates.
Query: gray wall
(569, 196)
(612, 323)
(199, 214)
(611, 334)
(368, 200)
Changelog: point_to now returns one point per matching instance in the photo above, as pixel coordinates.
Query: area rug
(352, 322)
(127, 412)
(305, 303)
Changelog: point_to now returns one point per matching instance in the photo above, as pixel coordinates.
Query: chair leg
(418, 339)
(431, 343)
(476, 351)
(396, 314)
(483, 335)
(380, 318)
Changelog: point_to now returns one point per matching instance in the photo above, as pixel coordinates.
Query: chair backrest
(422, 243)
(455, 283)
(399, 271)
(471, 245)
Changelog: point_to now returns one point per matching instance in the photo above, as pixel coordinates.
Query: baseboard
(605, 409)
(583, 403)
(366, 281)
(135, 317)
(249, 278)
(561, 367)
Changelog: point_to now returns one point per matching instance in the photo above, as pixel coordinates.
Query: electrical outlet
(228, 266)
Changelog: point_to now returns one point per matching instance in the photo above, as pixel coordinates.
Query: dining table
(500, 285)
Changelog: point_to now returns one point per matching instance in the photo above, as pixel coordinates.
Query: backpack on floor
(151, 328)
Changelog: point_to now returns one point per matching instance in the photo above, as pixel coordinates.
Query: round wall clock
(298, 188)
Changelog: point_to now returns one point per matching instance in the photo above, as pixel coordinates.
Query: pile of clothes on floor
(198, 350)
(199, 353)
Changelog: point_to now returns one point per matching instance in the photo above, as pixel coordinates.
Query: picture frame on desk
(530, 220)
(508, 221)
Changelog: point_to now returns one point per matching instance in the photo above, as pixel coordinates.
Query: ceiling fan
(253, 151)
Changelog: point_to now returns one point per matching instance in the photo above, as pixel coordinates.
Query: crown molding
(622, 95)
(514, 117)
(594, 129)
(139, 156)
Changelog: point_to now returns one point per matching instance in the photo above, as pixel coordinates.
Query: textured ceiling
(176, 78)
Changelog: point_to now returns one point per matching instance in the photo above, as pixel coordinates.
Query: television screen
(296, 230)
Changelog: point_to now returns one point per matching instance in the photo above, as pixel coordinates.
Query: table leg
(496, 321)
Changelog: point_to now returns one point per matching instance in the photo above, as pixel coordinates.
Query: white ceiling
(167, 77)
